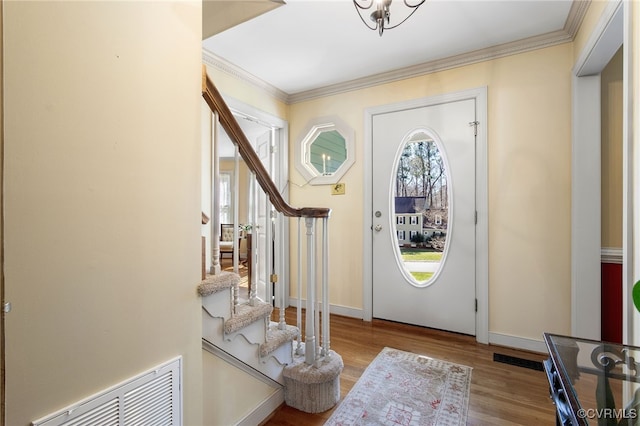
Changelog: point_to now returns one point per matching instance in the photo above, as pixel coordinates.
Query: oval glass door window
(421, 208)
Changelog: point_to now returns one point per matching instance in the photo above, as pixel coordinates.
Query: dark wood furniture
(592, 381)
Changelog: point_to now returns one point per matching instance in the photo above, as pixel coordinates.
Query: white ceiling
(306, 47)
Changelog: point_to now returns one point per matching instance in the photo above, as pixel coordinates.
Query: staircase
(244, 331)
(300, 361)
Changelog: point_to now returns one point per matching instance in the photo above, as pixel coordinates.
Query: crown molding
(494, 52)
(567, 34)
(227, 67)
(576, 15)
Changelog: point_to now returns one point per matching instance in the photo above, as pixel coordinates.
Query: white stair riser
(248, 353)
(218, 304)
(283, 354)
(256, 332)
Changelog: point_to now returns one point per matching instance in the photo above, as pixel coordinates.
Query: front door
(438, 289)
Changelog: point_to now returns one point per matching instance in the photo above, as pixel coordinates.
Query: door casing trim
(482, 227)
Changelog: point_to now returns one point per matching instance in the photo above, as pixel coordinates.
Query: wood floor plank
(501, 394)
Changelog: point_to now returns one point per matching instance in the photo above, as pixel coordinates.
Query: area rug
(403, 388)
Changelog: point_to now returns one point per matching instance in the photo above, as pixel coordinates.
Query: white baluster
(253, 194)
(325, 286)
(299, 350)
(236, 210)
(283, 302)
(310, 338)
(317, 299)
(215, 199)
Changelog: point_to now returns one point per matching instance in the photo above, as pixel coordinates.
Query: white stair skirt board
(152, 397)
(249, 353)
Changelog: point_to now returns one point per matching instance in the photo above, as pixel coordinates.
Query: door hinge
(274, 149)
(476, 217)
(274, 278)
(476, 305)
(6, 307)
(475, 127)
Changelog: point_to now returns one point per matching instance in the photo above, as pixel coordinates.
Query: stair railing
(316, 345)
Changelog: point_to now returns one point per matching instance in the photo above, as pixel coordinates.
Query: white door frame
(281, 179)
(482, 236)
(603, 43)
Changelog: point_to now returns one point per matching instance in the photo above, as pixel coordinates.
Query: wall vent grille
(151, 398)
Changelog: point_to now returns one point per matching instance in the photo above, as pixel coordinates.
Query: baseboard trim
(517, 342)
(264, 410)
(344, 311)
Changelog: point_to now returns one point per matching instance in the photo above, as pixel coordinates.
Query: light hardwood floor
(501, 394)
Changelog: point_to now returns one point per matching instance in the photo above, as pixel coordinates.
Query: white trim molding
(611, 255)
(602, 44)
(517, 342)
(344, 311)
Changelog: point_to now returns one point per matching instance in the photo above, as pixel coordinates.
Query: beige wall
(102, 198)
(225, 404)
(529, 156)
(611, 82)
(529, 161)
(244, 92)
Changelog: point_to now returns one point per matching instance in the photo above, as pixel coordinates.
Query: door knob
(378, 228)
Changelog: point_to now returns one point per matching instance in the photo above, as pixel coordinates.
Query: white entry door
(446, 300)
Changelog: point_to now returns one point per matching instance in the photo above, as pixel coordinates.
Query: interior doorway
(586, 177)
(268, 135)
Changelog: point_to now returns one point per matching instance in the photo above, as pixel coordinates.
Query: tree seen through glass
(421, 206)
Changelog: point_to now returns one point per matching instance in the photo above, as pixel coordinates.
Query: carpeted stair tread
(247, 314)
(277, 337)
(215, 283)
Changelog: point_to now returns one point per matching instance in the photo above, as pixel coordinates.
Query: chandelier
(381, 15)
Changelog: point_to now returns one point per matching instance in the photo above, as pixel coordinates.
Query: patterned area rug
(403, 388)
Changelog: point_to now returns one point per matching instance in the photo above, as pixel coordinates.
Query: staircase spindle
(299, 283)
(215, 201)
(325, 286)
(310, 337)
(253, 196)
(317, 298)
(281, 289)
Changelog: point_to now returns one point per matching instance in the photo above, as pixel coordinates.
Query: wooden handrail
(229, 123)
